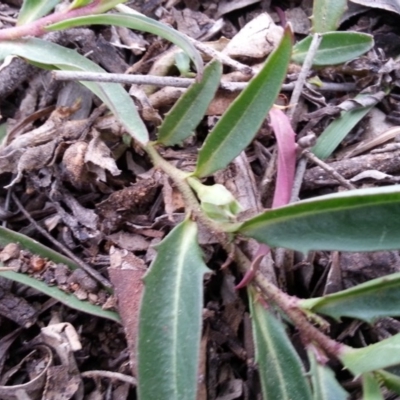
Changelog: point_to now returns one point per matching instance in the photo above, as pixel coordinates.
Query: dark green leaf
(7, 236)
(281, 372)
(141, 23)
(368, 301)
(241, 122)
(383, 354)
(335, 48)
(170, 318)
(189, 110)
(326, 15)
(324, 383)
(333, 135)
(32, 10)
(54, 56)
(65, 298)
(356, 220)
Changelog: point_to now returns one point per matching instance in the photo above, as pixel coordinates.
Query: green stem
(193, 206)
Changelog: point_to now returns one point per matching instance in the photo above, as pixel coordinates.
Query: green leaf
(216, 200)
(368, 301)
(383, 354)
(332, 136)
(32, 10)
(189, 110)
(335, 48)
(65, 298)
(170, 318)
(326, 15)
(54, 56)
(241, 122)
(391, 381)
(356, 220)
(79, 3)
(281, 372)
(324, 383)
(7, 236)
(371, 388)
(138, 22)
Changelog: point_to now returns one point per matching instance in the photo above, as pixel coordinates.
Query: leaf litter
(98, 196)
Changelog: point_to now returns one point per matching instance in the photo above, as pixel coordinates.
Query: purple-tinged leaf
(285, 138)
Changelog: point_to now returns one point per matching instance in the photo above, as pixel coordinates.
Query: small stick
(331, 171)
(87, 268)
(178, 82)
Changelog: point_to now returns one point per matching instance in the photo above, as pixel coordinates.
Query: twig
(87, 268)
(331, 171)
(298, 179)
(111, 375)
(301, 80)
(177, 82)
(225, 59)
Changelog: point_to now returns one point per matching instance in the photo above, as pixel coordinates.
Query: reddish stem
(38, 27)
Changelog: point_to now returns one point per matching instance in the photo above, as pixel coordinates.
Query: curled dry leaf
(101, 158)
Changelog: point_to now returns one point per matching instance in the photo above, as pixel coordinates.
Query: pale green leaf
(324, 383)
(57, 57)
(368, 301)
(371, 387)
(356, 220)
(241, 122)
(32, 10)
(335, 48)
(79, 3)
(326, 15)
(138, 22)
(383, 354)
(189, 110)
(170, 318)
(281, 372)
(68, 299)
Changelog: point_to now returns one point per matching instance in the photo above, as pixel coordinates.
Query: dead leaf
(126, 273)
(256, 39)
(100, 156)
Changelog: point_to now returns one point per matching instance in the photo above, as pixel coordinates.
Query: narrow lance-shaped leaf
(32, 10)
(281, 372)
(356, 220)
(326, 15)
(54, 56)
(368, 301)
(7, 236)
(138, 22)
(68, 299)
(285, 137)
(189, 110)
(335, 48)
(336, 131)
(170, 318)
(324, 383)
(241, 122)
(383, 354)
